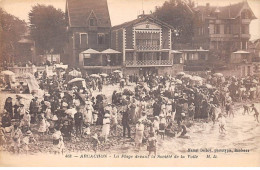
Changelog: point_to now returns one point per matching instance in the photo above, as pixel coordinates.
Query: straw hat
(64, 104)
(28, 133)
(95, 136)
(107, 115)
(54, 118)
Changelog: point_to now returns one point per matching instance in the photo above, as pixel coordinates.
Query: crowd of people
(147, 108)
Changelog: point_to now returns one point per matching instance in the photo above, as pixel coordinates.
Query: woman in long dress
(106, 126)
(43, 126)
(139, 134)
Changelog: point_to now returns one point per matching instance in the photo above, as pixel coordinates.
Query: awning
(241, 52)
(90, 51)
(110, 51)
(87, 53)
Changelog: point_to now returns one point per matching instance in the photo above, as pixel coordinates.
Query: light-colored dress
(26, 120)
(43, 126)
(88, 115)
(106, 127)
(48, 114)
(59, 146)
(139, 133)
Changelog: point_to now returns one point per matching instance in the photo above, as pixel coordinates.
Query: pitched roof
(225, 12)
(141, 19)
(80, 10)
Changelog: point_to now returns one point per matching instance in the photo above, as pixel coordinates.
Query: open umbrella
(218, 74)
(104, 75)
(187, 76)
(7, 72)
(75, 80)
(208, 86)
(197, 78)
(95, 76)
(180, 74)
(117, 71)
(178, 81)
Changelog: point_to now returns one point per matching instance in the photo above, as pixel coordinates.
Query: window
(92, 22)
(83, 40)
(217, 29)
(227, 29)
(244, 29)
(244, 45)
(101, 39)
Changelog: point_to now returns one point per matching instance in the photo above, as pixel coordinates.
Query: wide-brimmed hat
(107, 115)
(28, 133)
(54, 118)
(64, 104)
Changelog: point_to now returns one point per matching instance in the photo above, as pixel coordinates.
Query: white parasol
(75, 80)
(178, 81)
(7, 72)
(95, 76)
(117, 71)
(218, 74)
(104, 75)
(180, 74)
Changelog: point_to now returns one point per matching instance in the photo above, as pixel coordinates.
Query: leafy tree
(179, 14)
(48, 28)
(11, 30)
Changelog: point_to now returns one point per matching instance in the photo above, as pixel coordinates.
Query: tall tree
(179, 14)
(48, 28)
(11, 30)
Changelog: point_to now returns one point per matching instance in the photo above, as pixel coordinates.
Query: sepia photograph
(129, 83)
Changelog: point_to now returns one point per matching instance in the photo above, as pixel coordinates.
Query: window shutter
(84, 41)
(77, 40)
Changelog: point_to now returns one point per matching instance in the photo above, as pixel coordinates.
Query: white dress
(60, 145)
(106, 127)
(43, 126)
(139, 133)
(88, 115)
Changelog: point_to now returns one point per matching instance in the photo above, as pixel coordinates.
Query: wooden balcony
(147, 47)
(247, 36)
(246, 21)
(148, 63)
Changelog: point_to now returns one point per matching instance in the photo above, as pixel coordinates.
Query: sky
(125, 10)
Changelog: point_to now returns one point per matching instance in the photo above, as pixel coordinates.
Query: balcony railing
(148, 47)
(148, 63)
(246, 21)
(246, 36)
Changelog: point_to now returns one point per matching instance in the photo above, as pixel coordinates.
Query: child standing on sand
(95, 142)
(151, 144)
